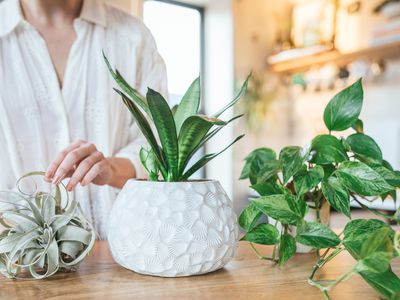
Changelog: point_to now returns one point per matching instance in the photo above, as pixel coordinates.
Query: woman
(58, 111)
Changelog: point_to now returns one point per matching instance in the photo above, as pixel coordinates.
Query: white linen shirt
(38, 119)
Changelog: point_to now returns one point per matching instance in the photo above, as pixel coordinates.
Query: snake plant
(182, 131)
(41, 237)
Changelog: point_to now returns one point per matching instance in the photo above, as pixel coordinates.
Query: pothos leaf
(249, 217)
(287, 248)
(264, 234)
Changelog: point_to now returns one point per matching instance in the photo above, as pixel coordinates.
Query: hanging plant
(41, 237)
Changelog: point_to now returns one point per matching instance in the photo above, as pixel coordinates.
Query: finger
(72, 158)
(60, 157)
(83, 168)
(95, 171)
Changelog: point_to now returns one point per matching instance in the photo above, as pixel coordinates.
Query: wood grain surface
(246, 277)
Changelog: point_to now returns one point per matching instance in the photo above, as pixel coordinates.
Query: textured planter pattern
(173, 229)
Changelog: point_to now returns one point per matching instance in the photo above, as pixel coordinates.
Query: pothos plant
(182, 130)
(330, 169)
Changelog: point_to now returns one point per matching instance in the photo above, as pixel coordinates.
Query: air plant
(182, 131)
(41, 237)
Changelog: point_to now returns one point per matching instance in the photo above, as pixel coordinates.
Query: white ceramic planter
(173, 229)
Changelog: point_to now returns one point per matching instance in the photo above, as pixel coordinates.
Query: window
(178, 31)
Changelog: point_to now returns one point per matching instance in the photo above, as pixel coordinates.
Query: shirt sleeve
(151, 73)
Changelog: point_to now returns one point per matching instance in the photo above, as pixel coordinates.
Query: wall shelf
(303, 62)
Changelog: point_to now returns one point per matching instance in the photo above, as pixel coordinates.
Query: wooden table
(246, 277)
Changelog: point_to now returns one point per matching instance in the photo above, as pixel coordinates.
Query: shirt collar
(93, 11)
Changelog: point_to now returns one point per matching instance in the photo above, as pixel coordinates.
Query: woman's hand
(83, 163)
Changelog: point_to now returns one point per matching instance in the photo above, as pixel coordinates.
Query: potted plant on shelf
(174, 226)
(41, 236)
(297, 188)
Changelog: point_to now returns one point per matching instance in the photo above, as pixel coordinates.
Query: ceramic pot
(173, 229)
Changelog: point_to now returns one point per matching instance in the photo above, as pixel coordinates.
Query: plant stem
(259, 255)
(388, 217)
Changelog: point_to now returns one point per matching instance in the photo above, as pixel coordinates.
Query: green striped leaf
(189, 104)
(165, 124)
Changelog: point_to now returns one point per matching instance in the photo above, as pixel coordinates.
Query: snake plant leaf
(149, 161)
(327, 149)
(165, 124)
(212, 133)
(249, 217)
(189, 104)
(365, 148)
(362, 179)
(133, 93)
(337, 195)
(344, 108)
(192, 133)
(206, 158)
(263, 234)
(146, 130)
(236, 99)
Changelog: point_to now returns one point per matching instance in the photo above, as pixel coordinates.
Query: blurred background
(301, 53)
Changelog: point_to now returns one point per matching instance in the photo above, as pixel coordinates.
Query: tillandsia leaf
(292, 159)
(249, 217)
(287, 248)
(206, 158)
(306, 180)
(263, 234)
(361, 179)
(40, 247)
(327, 149)
(344, 108)
(279, 208)
(145, 128)
(236, 99)
(165, 124)
(258, 158)
(133, 93)
(189, 104)
(337, 195)
(192, 133)
(317, 235)
(365, 148)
